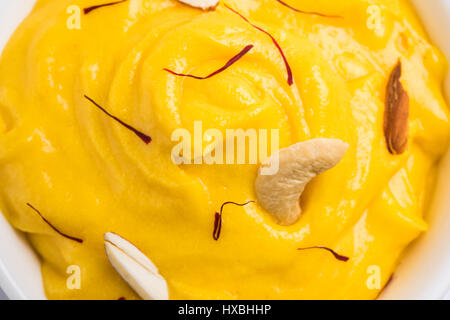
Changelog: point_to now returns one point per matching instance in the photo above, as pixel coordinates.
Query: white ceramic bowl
(423, 274)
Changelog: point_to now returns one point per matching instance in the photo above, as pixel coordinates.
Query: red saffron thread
(336, 255)
(217, 226)
(308, 12)
(147, 139)
(290, 79)
(226, 66)
(53, 227)
(218, 218)
(89, 9)
(122, 298)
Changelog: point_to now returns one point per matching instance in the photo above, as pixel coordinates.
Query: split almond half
(202, 4)
(279, 193)
(135, 268)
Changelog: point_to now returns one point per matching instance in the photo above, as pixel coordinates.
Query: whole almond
(396, 113)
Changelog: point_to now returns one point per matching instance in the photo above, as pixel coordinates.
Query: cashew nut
(279, 193)
(202, 4)
(135, 268)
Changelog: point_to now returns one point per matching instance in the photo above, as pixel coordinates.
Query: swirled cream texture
(89, 175)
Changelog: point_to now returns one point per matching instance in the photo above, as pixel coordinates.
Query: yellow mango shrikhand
(113, 116)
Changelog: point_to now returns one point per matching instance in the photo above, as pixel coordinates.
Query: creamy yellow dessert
(363, 72)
